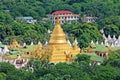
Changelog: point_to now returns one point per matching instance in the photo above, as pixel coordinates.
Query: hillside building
(89, 19)
(65, 16)
(28, 19)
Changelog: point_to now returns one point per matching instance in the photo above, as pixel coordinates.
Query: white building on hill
(64, 15)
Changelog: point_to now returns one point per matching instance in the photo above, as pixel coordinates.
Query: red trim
(62, 12)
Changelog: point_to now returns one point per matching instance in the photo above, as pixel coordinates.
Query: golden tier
(58, 49)
(14, 44)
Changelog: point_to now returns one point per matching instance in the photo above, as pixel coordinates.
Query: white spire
(0, 50)
(92, 42)
(116, 43)
(101, 43)
(49, 31)
(112, 45)
(119, 38)
(114, 38)
(109, 37)
(75, 42)
(6, 49)
(31, 43)
(69, 42)
(24, 44)
(45, 43)
(97, 42)
(106, 44)
(39, 43)
(104, 36)
(102, 31)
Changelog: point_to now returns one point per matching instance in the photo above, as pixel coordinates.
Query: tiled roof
(95, 57)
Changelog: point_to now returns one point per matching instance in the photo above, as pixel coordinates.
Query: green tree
(114, 59)
(82, 57)
(2, 76)
(6, 68)
(31, 35)
(5, 17)
(106, 72)
(84, 32)
(5, 31)
(111, 30)
(110, 25)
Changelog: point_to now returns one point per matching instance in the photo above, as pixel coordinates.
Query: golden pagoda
(14, 44)
(58, 48)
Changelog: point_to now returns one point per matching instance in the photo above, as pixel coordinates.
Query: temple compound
(58, 48)
(16, 54)
(99, 49)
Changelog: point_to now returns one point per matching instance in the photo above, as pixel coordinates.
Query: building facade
(65, 16)
(89, 19)
(28, 19)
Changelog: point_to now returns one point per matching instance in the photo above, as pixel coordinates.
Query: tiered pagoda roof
(57, 49)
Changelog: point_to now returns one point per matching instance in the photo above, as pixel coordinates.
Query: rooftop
(62, 12)
(22, 52)
(95, 57)
(99, 47)
(29, 17)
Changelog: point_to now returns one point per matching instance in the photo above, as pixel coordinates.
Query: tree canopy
(107, 12)
(39, 8)
(79, 69)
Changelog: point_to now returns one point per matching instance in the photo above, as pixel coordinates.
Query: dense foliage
(84, 32)
(39, 8)
(22, 32)
(107, 12)
(110, 25)
(78, 70)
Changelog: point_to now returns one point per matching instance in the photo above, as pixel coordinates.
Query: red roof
(62, 12)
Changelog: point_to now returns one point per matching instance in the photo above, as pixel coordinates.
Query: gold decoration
(14, 44)
(58, 49)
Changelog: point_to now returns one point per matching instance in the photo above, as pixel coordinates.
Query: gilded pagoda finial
(14, 44)
(57, 20)
(57, 49)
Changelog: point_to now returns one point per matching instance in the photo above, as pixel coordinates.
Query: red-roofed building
(65, 16)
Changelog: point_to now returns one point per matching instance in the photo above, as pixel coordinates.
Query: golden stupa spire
(58, 29)
(58, 36)
(58, 49)
(14, 44)
(57, 21)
